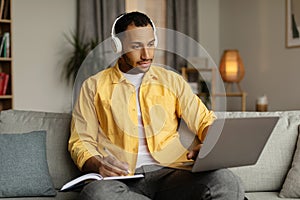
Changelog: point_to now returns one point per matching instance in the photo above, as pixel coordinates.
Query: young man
(125, 121)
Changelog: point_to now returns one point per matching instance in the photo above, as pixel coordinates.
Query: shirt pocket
(166, 103)
(162, 111)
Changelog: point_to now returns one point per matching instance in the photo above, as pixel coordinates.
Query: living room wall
(257, 29)
(209, 27)
(38, 50)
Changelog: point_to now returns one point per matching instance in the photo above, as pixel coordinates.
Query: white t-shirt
(144, 156)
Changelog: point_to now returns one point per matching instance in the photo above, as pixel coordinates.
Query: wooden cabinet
(204, 80)
(6, 58)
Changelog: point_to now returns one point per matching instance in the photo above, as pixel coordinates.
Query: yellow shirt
(105, 116)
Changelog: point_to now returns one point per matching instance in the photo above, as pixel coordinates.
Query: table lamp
(232, 68)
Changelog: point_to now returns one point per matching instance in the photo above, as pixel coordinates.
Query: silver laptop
(234, 142)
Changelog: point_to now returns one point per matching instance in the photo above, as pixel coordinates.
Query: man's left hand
(194, 152)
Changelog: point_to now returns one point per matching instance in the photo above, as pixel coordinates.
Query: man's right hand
(106, 166)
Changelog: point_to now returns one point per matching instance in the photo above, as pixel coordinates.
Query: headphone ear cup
(156, 40)
(155, 34)
(116, 45)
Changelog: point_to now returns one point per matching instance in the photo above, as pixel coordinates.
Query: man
(126, 119)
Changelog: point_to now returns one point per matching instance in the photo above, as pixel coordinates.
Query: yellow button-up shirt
(105, 116)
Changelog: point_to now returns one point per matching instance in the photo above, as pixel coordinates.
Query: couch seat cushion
(265, 196)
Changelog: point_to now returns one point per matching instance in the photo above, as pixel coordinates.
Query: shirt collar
(118, 77)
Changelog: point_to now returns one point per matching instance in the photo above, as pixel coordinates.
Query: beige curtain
(95, 18)
(182, 16)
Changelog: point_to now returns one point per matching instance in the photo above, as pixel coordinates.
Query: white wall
(38, 50)
(209, 27)
(257, 29)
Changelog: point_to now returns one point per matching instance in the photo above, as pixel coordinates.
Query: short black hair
(137, 18)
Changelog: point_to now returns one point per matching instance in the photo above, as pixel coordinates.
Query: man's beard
(130, 68)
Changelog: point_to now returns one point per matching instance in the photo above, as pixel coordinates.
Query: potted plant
(80, 51)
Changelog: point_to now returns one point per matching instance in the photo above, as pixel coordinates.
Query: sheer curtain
(95, 18)
(182, 16)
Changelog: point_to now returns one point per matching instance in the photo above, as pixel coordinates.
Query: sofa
(39, 140)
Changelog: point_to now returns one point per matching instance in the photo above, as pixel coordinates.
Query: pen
(112, 155)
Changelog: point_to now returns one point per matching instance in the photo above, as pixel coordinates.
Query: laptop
(234, 142)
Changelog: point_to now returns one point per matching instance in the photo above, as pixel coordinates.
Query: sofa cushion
(23, 165)
(291, 186)
(57, 125)
(265, 196)
(269, 172)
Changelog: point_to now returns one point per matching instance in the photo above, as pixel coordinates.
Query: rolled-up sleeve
(84, 126)
(193, 111)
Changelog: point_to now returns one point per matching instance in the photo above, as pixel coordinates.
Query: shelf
(8, 21)
(202, 94)
(230, 94)
(199, 70)
(6, 63)
(6, 96)
(5, 59)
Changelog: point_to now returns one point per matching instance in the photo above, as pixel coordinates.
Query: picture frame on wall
(292, 23)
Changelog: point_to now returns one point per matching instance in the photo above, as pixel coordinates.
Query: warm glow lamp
(232, 68)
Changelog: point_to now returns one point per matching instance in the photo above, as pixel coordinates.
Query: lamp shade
(231, 66)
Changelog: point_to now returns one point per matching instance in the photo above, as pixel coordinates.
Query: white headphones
(116, 42)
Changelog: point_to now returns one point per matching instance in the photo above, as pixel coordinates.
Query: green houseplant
(80, 50)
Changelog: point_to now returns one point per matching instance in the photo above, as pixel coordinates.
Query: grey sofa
(262, 181)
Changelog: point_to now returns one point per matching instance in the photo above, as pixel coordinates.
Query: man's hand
(194, 152)
(110, 166)
(106, 166)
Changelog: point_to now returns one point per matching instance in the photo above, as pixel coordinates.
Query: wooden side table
(241, 94)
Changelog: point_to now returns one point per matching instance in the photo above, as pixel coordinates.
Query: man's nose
(145, 54)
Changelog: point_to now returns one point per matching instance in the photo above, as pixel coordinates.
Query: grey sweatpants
(167, 183)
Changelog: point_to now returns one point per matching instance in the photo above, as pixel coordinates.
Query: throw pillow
(291, 186)
(57, 126)
(23, 165)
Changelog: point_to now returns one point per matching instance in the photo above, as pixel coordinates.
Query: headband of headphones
(116, 42)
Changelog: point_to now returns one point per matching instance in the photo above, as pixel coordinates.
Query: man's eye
(151, 44)
(135, 46)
